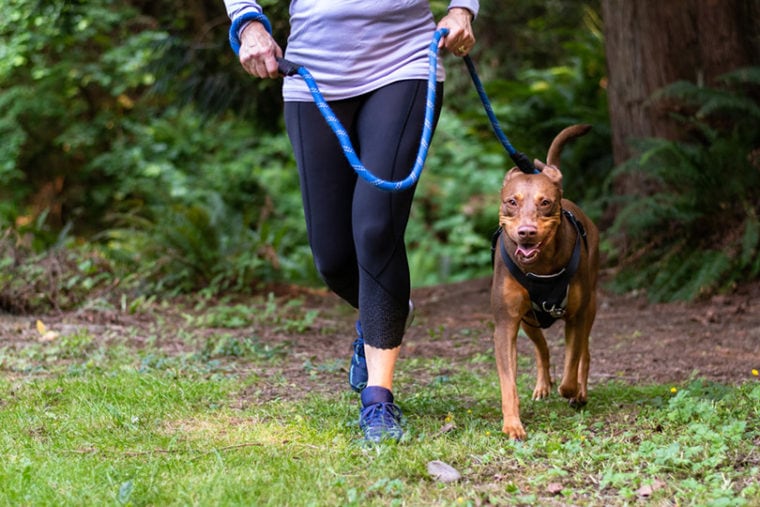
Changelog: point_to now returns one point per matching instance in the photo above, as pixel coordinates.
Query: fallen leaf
(554, 488)
(443, 472)
(41, 328)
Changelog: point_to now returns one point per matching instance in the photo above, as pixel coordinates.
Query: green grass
(88, 423)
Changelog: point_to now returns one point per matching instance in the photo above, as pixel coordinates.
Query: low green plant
(453, 214)
(61, 277)
(229, 346)
(103, 145)
(266, 312)
(173, 436)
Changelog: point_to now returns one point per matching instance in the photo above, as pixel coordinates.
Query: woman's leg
(386, 135)
(327, 187)
(388, 129)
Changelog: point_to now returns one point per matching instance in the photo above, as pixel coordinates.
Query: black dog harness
(548, 293)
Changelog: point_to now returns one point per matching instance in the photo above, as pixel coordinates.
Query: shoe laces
(383, 416)
(359, 347)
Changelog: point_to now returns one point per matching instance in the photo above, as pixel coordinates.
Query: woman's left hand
(460, 39)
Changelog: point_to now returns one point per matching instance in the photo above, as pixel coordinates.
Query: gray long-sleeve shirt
(355, 46)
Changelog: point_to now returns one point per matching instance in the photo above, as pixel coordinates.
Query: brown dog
(545, 267)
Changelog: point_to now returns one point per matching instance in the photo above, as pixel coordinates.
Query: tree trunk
(652, 43)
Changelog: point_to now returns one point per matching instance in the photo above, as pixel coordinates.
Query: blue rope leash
(520, 159)
(288, 68)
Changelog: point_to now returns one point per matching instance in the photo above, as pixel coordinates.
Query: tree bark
(652, 43)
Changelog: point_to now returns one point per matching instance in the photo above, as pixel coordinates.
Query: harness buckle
(555, 311)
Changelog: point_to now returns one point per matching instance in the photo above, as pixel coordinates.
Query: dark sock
(376, 394)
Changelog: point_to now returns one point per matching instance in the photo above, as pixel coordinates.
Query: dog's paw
(514, 429)
(569, 392)
(541, 391)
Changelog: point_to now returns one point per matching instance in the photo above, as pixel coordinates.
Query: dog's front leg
(505, 347)
(543, 377)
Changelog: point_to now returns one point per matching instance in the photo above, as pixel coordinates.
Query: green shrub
(198, 213)
(697, 231)
(59, 278)
(131, 125)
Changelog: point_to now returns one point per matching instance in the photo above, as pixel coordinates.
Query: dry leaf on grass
(443, 472)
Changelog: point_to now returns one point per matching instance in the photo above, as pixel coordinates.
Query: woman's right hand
(460, 39)
(259, 51)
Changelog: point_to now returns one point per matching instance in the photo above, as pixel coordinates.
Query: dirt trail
(633, 341)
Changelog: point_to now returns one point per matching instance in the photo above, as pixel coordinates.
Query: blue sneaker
(357, 370)
(381, 421)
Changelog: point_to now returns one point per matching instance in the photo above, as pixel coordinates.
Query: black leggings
(355, 230)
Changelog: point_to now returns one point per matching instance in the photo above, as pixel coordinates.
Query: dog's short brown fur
(539, 239)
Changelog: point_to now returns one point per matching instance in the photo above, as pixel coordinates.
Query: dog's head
(531, 204)
(531, 209)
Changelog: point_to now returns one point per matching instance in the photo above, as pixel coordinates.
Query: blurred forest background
(138, 158)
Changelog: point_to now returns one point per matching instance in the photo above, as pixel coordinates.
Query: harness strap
(548, 293)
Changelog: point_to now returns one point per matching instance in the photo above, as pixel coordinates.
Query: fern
(696, 230)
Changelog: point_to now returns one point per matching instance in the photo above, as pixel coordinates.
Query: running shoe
(381, 421)
(357, 370)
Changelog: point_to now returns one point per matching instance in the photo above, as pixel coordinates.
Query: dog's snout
(527, 231)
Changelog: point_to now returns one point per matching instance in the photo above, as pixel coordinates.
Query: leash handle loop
(238, 22)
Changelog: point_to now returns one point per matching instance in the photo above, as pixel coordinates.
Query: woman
(370, 61)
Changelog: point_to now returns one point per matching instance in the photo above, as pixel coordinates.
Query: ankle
(376, 394)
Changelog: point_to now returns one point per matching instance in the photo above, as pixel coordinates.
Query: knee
(338, 273)
(375, 243)
(334, 274)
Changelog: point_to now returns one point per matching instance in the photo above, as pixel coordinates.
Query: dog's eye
(511, 201)
(546, 203)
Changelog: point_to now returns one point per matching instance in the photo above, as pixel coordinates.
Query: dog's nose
(527, 231)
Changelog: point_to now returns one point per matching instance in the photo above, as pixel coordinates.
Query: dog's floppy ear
(550, 172)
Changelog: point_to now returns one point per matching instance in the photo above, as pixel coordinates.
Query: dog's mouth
(527, 253)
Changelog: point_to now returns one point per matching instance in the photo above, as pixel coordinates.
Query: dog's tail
(568, 133)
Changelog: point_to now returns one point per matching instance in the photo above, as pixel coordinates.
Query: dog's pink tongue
(526, 251)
